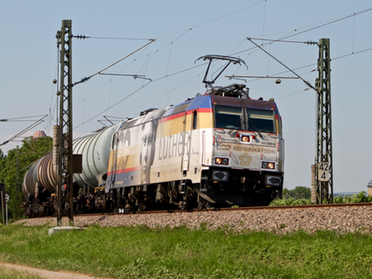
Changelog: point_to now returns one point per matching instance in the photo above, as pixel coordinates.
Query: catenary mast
(65, 173)
(324, 181)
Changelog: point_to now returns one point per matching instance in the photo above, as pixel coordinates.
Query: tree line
(300, 192)
(14, 166)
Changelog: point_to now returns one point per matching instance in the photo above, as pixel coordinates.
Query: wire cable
(97, 73)
(25, 130)
(21, 119)
(293, 72)
(109, 38)
(234, 54)
(322, 24)
(212, 20)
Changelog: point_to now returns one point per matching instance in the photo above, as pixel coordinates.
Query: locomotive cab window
(195, 120)
(113, 142)
(228, 117)
(261, 120)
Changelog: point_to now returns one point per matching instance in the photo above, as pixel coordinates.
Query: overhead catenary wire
(314, 64)
(134, 92)
(39, 121)
(310, 65)
(109, 38)
(281, 63)
(191, 68)
(131, 94)
(94, 92)
(22, 119)
(167, 93)
(340, 57)
(142, 76)
(331, 22)
(97, 73)
(279, 40)
(189, 29)
(290, 94)
(126, 75)
(212, 20)
(322, 24)
(134, 75)
(285, 41)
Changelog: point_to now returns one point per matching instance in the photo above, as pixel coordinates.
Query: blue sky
(184, 31)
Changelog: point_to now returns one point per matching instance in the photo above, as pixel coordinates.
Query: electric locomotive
(221, 148)
(212, 149)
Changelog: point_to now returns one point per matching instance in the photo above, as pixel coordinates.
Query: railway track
(287, 207)
(342, 218)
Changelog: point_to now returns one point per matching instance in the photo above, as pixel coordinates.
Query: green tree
(300, 192)
(14, 166)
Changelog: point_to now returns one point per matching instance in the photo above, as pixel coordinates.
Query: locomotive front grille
(220, 176)
(273, 180)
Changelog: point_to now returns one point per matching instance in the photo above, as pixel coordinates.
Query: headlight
(268, 165)
(245, 139)
(221, 161)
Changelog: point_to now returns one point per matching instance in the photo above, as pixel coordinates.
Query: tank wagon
(221, 148)
(39, 183)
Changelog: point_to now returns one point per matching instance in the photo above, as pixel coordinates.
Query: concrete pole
(313, 184)
(2, 206)
(6, 213)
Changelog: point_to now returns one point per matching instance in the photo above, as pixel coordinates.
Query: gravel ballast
(340, 219)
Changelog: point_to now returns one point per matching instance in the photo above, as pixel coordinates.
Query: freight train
(221, 148)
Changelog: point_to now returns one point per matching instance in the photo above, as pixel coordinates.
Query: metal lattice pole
(65, 174)
(324, 179)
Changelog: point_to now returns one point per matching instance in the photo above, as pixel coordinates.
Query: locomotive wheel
(280, 193)
(183, 205)
(30, 212)
(202, 203)
(127, 208)
(141, 207)
(40, 210)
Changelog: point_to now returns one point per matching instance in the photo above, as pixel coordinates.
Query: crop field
(141, 252)
(356, 198)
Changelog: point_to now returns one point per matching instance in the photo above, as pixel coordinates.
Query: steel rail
(172, 211)
(286, 207)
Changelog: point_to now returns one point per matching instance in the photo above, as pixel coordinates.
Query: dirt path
(46, 273)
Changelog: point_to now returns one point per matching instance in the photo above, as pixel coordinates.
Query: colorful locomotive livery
(217, 149)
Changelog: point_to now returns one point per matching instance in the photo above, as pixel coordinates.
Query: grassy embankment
(141, 252)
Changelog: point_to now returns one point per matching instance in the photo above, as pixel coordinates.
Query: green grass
(141, 252)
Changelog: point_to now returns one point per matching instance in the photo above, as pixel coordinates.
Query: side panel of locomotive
(168, 144)
(132, 151)
(184, 141)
